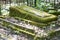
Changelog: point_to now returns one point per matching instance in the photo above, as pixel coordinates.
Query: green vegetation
(32, 14)
(55, 12)
(43, 5)
(49, 7)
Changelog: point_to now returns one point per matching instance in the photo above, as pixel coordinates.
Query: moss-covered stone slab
(32, 14)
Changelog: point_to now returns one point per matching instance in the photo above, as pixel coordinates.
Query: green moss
(54, 12)
(32, 14)
(18, 28)
(32, 22)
